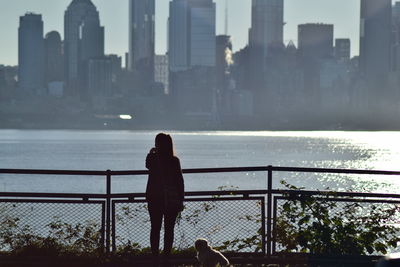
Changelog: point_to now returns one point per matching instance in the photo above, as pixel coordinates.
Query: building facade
(31, 57)
(395, 47)
(84, 39)
(100, 77)
(192, 57)
(178, 45)
(315, 40)
(342, 49)
(265, 34)
(375, 38)
(141, 37)
(161, 74)
(222, 71)
(266, 25)
(191, 29)
(54, 57)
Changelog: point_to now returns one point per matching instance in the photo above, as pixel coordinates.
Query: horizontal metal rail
(243, 193)
(201, 170)
(52, 195)
(325, 170)
(334, 193)
(53, 172)
(128, 172)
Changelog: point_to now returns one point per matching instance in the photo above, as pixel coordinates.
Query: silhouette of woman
(164, 192)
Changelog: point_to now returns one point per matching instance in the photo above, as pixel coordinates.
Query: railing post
(263, 226)
(269, 210)
(108, 210)
(114, 246)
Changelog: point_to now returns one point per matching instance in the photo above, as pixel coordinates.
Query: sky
(344, 14)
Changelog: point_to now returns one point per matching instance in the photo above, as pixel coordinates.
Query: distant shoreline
(58, 121)
(169, 128)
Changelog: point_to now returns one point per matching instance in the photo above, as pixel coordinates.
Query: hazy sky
(344, 14)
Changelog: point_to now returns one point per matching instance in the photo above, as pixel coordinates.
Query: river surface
(126, 150)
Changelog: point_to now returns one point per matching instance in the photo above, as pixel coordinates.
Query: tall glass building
(54, 57)
(84, 39)
(266, 32)
(31, 54)
(141, 37)
(192, 38)
(315, 40)
(375, 38)
(266, 25)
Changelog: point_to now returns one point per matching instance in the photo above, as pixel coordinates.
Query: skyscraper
(265, 36)
(223, 62)
(395, 64)
(161, 74)
(53, 57)
(84, 39)
(31, 54)
(202, 33)
(396, 13)
(191, 34)
(315, 40)
(223, 55)
(178, 44)
(266, 25)
(375, 38)
(192, 56)
(141, 37)
(99, 78)
(342, 49)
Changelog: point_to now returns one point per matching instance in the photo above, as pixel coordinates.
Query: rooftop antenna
(226, 17)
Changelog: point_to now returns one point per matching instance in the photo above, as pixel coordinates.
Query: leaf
(380, 247)
(286, 207)
(304, 220)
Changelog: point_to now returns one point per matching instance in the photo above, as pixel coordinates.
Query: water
(126, 150)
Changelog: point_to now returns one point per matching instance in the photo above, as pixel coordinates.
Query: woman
(164, 192)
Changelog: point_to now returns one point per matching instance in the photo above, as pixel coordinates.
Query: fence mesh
(74, 226)
(230, 225)
(310, 224)
(336, 225)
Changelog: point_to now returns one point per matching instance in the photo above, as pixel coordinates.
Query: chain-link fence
(231, 224)
(332, 225)
(63, 225)
(311, 222)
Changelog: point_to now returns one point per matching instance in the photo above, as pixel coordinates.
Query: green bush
(62, 239)
(318, 225)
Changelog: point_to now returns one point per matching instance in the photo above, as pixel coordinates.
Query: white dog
(208, 256)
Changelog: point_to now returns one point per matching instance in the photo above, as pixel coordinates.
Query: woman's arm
(179, 177)
(150, 159)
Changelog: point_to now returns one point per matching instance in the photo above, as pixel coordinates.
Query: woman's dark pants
(156, 215)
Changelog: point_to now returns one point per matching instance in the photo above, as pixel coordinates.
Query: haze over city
(344, 14)
(201, 64)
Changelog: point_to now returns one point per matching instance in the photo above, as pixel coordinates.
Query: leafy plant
(319, 225)
(62, 239)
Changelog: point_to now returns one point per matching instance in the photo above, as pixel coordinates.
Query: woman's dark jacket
(163, 171)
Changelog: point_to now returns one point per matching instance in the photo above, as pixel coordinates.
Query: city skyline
(116, 42)
(263, 83)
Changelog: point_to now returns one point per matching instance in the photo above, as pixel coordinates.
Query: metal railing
(111, 204)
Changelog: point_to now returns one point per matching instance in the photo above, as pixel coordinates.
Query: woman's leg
(155, 213)
(169, 225)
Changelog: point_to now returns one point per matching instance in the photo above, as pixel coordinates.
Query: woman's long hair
(164, 145)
